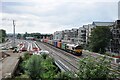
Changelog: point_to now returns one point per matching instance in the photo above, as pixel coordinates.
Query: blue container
(55, 43)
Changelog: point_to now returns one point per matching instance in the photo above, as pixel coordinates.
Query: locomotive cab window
(73, 48)
(78, 47)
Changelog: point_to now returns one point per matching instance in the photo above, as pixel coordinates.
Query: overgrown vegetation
(43, 67)
(65, 76)
(95, 68)
(37, 67)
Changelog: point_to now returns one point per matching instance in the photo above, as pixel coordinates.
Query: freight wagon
(71, 48)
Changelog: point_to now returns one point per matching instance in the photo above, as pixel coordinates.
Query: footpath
(9, 64)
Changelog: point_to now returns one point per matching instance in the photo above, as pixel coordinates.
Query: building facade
(82, 36)
(114, 46)
(58, 35)
(74, 35)
(67, 34)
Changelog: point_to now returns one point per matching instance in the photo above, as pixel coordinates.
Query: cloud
(57, 1)
(49, 16)
(26, 23)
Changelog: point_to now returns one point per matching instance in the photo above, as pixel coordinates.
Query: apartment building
(58, 35)
(82, 36)
(70, 36)
(89, 29)
(114, 46)
(67, 34)
(74, 35)
(84, 33)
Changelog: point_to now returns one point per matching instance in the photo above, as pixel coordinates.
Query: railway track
(75, 58)
(70, 55)
(63, 61)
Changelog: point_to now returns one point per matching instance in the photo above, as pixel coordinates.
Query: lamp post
(14, 33)
(13, 45)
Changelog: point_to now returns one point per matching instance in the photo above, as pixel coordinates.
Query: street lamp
(14, 33)
(13, 30)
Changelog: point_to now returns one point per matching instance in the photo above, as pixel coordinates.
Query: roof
(85, 26)
(103, 23)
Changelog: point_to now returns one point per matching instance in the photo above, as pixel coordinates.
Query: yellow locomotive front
(78, 50)
(75, 49)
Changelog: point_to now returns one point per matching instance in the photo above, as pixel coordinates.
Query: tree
(39, 67)
(33, 67)
(25, 35)
(49, 69)
(19, 36)
(100, 38)
(36, 35)
(2, 35)
(95, 68)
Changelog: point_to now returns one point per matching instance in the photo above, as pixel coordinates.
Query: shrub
(65, 76)
(26, 56)
(44, 56)
(33, 67)
(49, 69)
(91, 68)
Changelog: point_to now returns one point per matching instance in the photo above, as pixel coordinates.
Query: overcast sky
(48, 16)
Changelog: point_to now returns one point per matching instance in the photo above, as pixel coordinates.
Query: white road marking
(31, 47)
(22, 47)
(36, 45)
(28, 48)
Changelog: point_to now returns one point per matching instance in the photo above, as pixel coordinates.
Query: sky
(48, 16)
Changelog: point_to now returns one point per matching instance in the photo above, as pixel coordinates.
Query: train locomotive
(71, 48)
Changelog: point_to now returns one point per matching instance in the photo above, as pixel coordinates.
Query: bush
(33, 67)
(23, 61)
(49, 69)
(26, 56)
(91, 68)
(65, 76)
(44, 56)
(39, 67)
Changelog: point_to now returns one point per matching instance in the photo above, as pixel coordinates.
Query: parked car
(44, 52)
(41, 52)
(16, 50)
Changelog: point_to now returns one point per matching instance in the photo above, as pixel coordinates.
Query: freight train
(71, 48)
